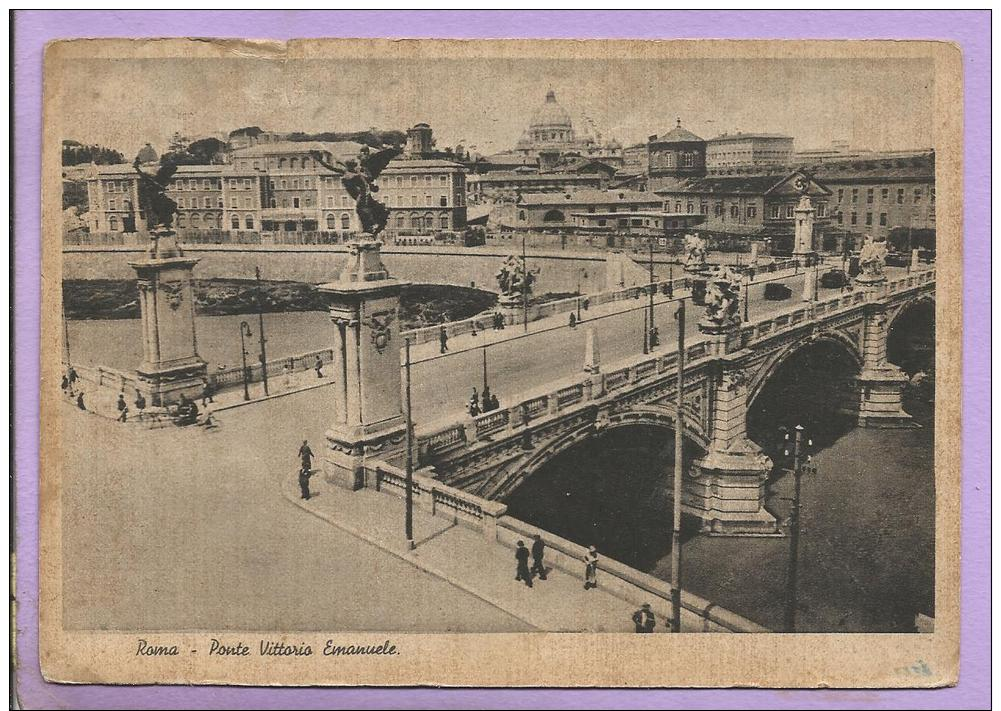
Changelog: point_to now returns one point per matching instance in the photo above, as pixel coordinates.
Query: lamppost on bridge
(245, 331)
(408, 523)
(800, 466)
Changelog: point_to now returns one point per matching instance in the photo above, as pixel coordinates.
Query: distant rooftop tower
(419, 142)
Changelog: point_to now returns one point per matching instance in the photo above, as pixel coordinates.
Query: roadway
(551, 351)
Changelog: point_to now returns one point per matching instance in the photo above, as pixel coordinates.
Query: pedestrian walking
(474, 404)
(120, 405)
(123, 414)
(654, 337)
(573, 320)
(538, 552)
(206, 392)
(72, 377)
(304, 475)
(494, 402)
(591, 568)
(65, 385)
(644, 619)
(287, 376)
(521, 556)
(443, 339)
(306, 456)
(318, 367)
(140, 404)
(79, 401)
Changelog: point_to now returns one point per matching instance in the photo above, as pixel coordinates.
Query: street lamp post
(245, 331)
(409, 516)
(800, 466)
(652, 290)
(260, 326)
(747, 296)
(524, 290)
(679, 452)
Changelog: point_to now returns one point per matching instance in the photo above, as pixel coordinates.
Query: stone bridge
(487, 457)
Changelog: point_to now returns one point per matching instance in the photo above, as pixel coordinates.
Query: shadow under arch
(612, 488)
(810, 383)
(910, 335)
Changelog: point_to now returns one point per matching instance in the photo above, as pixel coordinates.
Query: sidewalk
(464, 558)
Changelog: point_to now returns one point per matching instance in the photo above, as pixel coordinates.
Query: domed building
(551, 132)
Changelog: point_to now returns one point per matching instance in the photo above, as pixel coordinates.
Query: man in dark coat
(306, 455)
(538, 551)
(521, 555)
(644, 619)
(443, 339)
(304, 475)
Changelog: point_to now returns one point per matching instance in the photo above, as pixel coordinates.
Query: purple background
(969, 29)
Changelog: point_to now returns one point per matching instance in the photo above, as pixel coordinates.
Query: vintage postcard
(501, 363)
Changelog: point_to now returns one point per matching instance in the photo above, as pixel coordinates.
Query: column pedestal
(368, 420)
(171, 366)
(881, 384)
(804, 229)
(727, 488)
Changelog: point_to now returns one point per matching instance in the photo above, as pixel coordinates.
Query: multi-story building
(534, 211)
(208, 197)
(424, 196)
(282, 187)
(677, 154)
(506, 186)
(752, 207)
(747, 152)
(883, 197)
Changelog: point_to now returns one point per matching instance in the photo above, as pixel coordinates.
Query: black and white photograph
(442, 341)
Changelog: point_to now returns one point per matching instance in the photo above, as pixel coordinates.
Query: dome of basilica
(551, 115)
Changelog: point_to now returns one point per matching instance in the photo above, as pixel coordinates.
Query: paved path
(463, 557)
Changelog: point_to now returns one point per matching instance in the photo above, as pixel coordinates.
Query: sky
(487, 103)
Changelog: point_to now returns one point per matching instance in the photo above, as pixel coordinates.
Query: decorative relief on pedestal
(174, 293)
(381, 332)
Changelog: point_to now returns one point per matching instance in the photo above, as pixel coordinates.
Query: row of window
(689, 159)
(853, 218)
(884, 195)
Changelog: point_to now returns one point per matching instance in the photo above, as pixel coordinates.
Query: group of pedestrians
(521, 554)
(479, 404)
(498, 321)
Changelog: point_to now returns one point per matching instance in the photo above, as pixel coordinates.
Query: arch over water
(613, 489)
(910, 335)
(810, 383)
(503, 484)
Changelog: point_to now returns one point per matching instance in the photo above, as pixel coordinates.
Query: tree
(75, 153)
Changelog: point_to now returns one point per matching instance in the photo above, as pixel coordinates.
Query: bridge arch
(812, 382)
(545, 451)
(910, 335)
(613, 489)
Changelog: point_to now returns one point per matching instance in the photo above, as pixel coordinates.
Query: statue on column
(872, 258)
(723, 297)
(695, 253)
(153, 199)
(514, 281)
(358, 178)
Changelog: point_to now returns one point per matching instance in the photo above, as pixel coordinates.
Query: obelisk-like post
(171, 366)
(804, 227)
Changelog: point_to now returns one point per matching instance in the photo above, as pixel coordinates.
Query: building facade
(282, 188)
(677, 154)
(883, 197)
(424, 196)
(747, 152)
(751, 208)
(536, 211)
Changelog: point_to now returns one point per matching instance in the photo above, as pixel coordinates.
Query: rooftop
(677, 135)
(337, 148)
(727, 137)
(589, 197)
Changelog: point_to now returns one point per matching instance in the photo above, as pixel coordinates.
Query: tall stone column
(171, 366)
(368, 413)
(727, 488)
(881, 383)
(804, 227)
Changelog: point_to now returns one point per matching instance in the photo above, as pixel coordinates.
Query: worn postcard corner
(384, 363)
